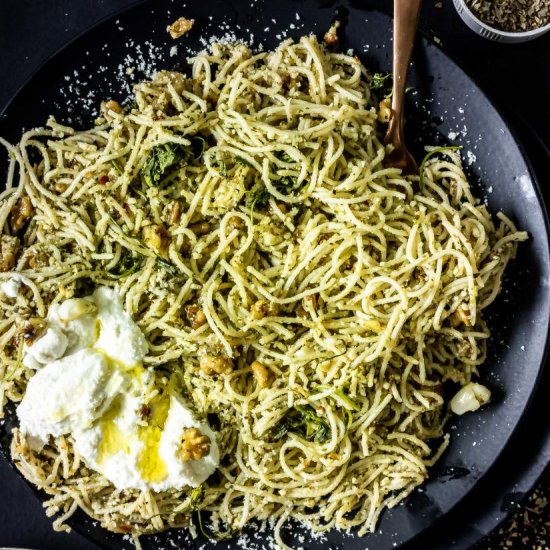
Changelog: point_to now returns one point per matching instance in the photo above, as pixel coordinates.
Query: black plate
(447, 105)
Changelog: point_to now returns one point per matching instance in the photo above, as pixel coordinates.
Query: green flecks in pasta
(127, 265)
(165, 156)
(381, 81)
(305, 422)
(159, 160)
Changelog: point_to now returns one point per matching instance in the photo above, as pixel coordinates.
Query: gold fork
(405, 22)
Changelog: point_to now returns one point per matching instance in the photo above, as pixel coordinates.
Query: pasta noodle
(341, 296)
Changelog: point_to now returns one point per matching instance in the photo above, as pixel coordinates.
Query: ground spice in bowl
(512, 15)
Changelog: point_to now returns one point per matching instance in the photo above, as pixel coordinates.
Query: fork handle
(405, 21)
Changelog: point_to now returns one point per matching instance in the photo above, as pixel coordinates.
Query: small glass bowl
(491, 33)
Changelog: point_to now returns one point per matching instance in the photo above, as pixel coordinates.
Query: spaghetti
(311, 302)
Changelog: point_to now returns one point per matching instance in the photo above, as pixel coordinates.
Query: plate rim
(423, 34)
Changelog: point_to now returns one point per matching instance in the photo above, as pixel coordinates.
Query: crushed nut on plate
(195, 445)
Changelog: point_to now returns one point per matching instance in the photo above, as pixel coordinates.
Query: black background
(517, 77)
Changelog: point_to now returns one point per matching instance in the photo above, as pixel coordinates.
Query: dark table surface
(517, 77)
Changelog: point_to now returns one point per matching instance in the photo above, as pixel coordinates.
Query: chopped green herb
(257, 197)
(168, 266)
(285, 157)
(350, 419)
(223, 168)
(305, 422)
(340, 397)
(289, 185)
(384, 83)
(431, 154)
(213, 535)
(381, 81)
(161, 262)
(127, 265)
(12, 155)
(159, 160)
(117, 167)
(344, 400)
(197, 497)
(162, 157)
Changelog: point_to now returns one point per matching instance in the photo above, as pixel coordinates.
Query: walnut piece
(195, 445)
(464, 348)
(460, 316)
(200, 228)
(235, 222)
(22, 211)
(282, 207)
(111, 105)
(144, 412)
(195, 315)
(173, 213)
(180, 26)
(215, 364)
(384, 110)
(262, 308)
(38, 259)
(60, 187)
(331, 36)
(157, 238)
(261, 374)
(9, 247)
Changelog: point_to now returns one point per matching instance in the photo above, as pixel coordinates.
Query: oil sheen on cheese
(90, 382)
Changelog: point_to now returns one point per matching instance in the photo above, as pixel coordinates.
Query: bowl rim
(521, 34)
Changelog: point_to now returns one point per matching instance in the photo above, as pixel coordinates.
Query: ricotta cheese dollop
(12, 286)
(91, 383)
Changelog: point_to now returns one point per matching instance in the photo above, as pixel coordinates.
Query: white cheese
(74, 308)
(122, 467)
(12, 286)
(31, 363)
(81, 333)
(119, 337)
(49, 347)
(191, 472)
(95, 393)
(68, 395)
